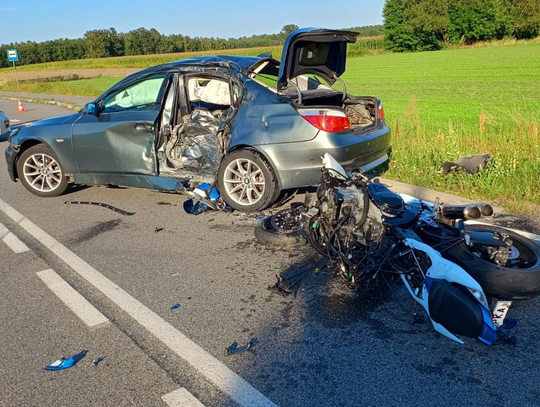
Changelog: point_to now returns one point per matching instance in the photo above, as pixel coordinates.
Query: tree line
(423, 25)
(110, 43)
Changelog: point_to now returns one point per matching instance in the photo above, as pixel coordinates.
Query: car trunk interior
(191, 139)
(308, 91)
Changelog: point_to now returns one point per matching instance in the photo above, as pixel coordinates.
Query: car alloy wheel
(244, 181)
(42, 172)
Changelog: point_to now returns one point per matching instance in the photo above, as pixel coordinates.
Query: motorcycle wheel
(267, 234)
(521, 281)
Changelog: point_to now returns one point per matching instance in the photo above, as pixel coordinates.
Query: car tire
(40, 172)
(246, 181)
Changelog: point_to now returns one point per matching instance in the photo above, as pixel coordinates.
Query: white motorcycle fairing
(451, 272)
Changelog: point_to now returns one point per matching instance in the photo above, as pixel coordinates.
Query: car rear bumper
(299, 164)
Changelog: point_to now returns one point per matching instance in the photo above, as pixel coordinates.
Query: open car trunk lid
(315, 51)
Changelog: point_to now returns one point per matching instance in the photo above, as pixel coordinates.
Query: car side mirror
(91, 108)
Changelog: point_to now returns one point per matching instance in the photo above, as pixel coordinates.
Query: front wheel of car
(40, 172)
(246, 181)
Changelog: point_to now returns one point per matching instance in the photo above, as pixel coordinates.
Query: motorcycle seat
(385, 199)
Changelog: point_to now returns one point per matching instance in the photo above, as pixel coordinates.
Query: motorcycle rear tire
(499, 281)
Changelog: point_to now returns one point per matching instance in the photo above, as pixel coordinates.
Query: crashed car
(4, 123)
(251, 126)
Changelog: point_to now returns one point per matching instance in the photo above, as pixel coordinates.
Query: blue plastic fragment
(212, 193)
(509, 323)
(175, 306)
(194, 208)
(66, 363)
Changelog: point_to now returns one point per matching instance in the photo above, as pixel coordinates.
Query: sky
(39, 20)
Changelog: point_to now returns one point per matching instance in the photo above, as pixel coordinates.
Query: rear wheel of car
(246, 181)
(40, 172)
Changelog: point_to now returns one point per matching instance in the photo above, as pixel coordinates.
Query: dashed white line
(207, 365)
(181, 398)
(12, 241)
(74, 301)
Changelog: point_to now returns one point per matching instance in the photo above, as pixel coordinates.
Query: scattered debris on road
(290, 280)
(234, 349)
(175, 306)
(104, 205)
(97, 361)
(157, 230)
(203, 198)
(66, 363)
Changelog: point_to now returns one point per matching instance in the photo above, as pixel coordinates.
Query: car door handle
(143, 127)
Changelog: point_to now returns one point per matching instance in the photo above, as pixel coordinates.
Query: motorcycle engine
(345, 206)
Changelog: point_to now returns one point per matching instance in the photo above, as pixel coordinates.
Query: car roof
(244, 62)
(235, 63)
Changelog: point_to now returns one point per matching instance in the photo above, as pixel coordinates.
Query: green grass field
(440, 106)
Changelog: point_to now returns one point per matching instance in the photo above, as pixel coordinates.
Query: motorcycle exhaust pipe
(461, 211)
(486, 209)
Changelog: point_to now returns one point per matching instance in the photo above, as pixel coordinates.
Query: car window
(267, 74)
(142, 95)
(209, 93)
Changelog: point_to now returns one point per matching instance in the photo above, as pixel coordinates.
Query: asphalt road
(326, 347)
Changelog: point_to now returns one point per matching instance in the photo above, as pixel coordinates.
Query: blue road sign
(13, 55)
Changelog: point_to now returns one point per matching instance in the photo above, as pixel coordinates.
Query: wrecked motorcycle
(370, 233)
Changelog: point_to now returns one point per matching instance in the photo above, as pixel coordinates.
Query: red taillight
(332, 121)
(381, 112)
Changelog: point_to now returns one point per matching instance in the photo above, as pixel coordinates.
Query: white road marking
(181, 398)
(14, 120)
(207, 365)
(74, 301)
(13, 242)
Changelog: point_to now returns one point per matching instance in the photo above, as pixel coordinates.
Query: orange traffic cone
(21, 108)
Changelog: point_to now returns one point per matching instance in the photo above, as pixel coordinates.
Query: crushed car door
(119, 137)
(199, 132)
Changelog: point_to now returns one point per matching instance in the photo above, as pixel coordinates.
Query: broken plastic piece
(157, 230)
(205, 190)
(104, 205)
(195, 208)
(290, 280)
(66, 363)
(98, 361)
(175, 306)
(234, 349)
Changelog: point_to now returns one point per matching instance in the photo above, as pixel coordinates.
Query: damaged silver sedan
(251, 126)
